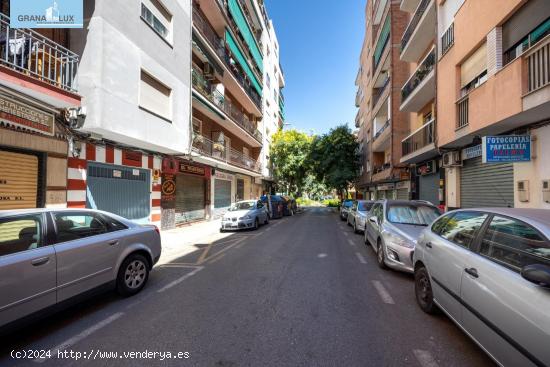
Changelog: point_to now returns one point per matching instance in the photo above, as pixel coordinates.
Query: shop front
(33, 155)
(427, 184)
(223, 192)
(191, 193)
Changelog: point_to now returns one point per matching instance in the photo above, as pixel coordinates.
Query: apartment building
(37, 85)
(134, 78)
(493, 102)
(419, 49)
(382, 125)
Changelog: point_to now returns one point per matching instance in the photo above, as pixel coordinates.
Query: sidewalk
(181, 241)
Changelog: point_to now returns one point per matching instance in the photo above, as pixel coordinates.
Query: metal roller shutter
(428, 188)
(403, 194)
(190, 203)
(121, 190)
(222, 194)
(486, 185)
(18, 180)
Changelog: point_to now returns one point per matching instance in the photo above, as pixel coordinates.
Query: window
(463, 227)
(113, 224)
(514, 244)
(364, 206)
(155, 97)
(73, 226)
(473, 70)
(267, 81)
(420, 215)
(21, 233)
(439, 225)
(156, 15)
(197, 126)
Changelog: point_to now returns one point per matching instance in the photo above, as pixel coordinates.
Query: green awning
(382, 40)
(238, 15)
(242, 61)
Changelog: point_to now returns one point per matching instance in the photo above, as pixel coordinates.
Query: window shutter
(155, 96)
(474, 65)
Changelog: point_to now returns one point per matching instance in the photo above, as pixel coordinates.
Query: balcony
(379, 7)
(218, 46)
(203, 86)
(409, 5)
(379, 92)
(37, 57)
(358, 97)
(381, 44)
(219, 152)
(420, 88)
(419, 145)
(420, 32)
(241, 26)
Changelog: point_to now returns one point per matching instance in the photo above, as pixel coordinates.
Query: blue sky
(320, 42)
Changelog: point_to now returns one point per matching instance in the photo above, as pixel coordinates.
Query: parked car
(274, 205)
(245, 214)
(393, 228)
(49, 257)
(489, 270)
(357, 215)
(289, 206)
(344, 208)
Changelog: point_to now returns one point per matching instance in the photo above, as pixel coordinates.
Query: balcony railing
(448, 39)
(420, 138)
(381, 130)
(538, 65)
(462, 112)
(421, 72)
(204, 87)
(379, 91)
(381, 168)
(422, 6)
(217, 44)
(218, 150)
(29, 52)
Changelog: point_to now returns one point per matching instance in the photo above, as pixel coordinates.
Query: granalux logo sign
(46, 13)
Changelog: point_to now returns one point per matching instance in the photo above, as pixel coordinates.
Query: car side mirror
(373, 219)
(538, 274)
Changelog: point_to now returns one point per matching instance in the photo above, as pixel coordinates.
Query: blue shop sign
(46, 13)
(506, 148)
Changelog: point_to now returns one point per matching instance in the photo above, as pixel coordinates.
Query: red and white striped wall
(77, 167)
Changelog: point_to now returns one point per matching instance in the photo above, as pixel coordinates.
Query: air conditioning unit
(452, 159)
(208, 72)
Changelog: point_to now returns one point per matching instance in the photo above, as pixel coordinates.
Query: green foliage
(305, 202)
(288, 153)
(334, 159)
(331, 203)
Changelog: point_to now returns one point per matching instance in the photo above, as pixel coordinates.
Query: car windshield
(418, 215)
(364, 206)
(245, 205)
(348, 203)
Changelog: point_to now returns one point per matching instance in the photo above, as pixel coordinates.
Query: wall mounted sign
(471, 152)
(224, 176)
(46, 14)
(426, 169)
(27, 117)
(168, 191)
(506, 148)
(187, 168)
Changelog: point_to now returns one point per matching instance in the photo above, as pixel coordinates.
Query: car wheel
(132, 275)
(380, 257)
(222, 230)
(266, 219)
(256, 223)
(342, 217)
(423, 291)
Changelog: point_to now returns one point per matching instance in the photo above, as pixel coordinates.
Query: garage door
(120, 190)
(18, 180)
(428, 188)
(190, 192)
(486, 185)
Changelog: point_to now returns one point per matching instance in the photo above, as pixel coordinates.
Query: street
(301, 291)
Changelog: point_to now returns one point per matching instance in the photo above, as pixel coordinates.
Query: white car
(357, 215)
(245, 215)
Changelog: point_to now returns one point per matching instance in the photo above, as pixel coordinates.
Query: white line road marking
(361, 258)
(346, 234)
(181, 279)
(425, 358)
(322, 255)
(216, 259)
(383, 292)
(268, 229)
(351, 243)
(75, 339)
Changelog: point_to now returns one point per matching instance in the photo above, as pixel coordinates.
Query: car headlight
(395, 239)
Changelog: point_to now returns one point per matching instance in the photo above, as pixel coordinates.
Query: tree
(334, 159)
(288, 153)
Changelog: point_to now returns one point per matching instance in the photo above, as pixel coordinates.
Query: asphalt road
(302, 291)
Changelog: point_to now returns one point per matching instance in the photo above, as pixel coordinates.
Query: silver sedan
(357, 215)
(49, 257)
(393, 228)
(489, 271)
